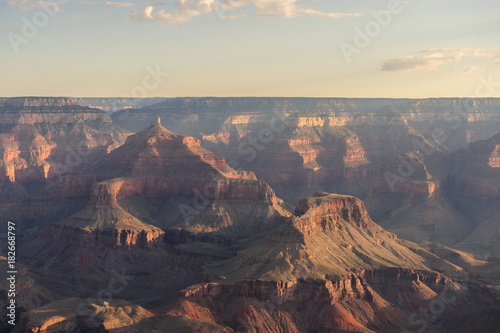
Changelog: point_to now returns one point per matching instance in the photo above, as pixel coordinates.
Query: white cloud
(189, 9)
(289, 8)
(281, 8)
(434, 58)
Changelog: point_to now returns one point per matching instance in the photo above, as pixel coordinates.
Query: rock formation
(398, 155)
(176, 237)
(44, 138)
(327, 268)
(474, 186)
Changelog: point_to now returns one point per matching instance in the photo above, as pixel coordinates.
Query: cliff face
(347, 304)
(323, 211)
(329, 235)
(111, 105)
(156, 150)
(37, 102)
(473, 184)
(194, 239)
(104, 238)
(153, 172)
(60, 315)
(287, 281)
(131, 197)
(214, 112)
(388, 152)
(302, 145)
(326, 268)
(43, 138)
(475, 169)
(23, 156)
(35, 110)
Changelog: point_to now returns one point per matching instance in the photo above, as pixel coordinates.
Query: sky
(288, 48)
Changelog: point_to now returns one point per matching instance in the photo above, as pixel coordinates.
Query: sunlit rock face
(302, 145)
(324, 268)
(42, 138)
(392, 153)
(183, 239)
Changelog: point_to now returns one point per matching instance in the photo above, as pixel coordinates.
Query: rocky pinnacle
(155, 122)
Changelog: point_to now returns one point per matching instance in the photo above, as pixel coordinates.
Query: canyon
(253, 214)
(394, 154)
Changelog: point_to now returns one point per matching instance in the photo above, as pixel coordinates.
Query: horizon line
(242, 96)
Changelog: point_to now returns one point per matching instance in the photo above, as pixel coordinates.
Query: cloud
(32, 4)
(434, 58)
(189, 9)
(106, 4)
(401, 63)
(312, 12)
(280, 8)
(229, 4)
(469, 70)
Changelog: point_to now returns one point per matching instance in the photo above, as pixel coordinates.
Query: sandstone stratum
(252, 215)
(394, 154)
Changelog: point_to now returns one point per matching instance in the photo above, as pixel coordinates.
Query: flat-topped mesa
(324, 211)
(39, 110)
(45, 102)
(105, 193)
(330, 235)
